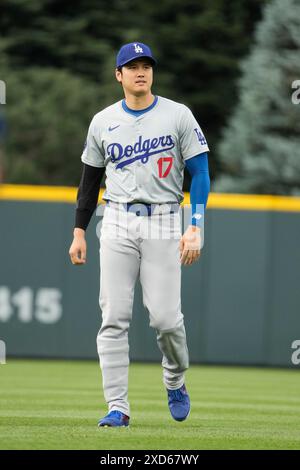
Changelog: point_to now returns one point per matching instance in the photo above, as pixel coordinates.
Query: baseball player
(142, 143)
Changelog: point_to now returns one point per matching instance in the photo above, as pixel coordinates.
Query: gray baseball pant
(148, 247)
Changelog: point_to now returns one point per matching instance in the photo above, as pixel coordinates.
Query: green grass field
(56, 405)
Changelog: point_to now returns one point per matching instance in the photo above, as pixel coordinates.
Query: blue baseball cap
(133, 50)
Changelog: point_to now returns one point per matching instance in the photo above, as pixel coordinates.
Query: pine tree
(260, 150)
(48, 113)
(198, 45)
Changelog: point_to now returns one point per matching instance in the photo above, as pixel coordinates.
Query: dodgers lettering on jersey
(144, 156)
(142, 150)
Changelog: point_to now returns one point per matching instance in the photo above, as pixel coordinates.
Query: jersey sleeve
(92, 154)
(191, 137)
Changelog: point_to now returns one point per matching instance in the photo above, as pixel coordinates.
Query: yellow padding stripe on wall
(67, 194)
(38, 193)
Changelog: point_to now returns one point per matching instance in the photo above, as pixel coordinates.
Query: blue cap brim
(139, 56)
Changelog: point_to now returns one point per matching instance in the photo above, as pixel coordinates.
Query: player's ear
(118, 72)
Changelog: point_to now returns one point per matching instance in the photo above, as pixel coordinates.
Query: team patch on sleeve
(200, 136)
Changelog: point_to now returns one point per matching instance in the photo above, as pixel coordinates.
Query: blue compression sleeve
(200, 185)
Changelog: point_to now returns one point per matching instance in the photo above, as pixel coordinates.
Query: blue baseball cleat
(179, 403)
(114, 418)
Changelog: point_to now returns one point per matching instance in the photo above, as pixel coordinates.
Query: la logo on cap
(137, 48)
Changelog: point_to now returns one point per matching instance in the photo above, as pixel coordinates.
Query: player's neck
(139, 102)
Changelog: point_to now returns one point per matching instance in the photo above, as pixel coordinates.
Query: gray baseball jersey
(144, 156)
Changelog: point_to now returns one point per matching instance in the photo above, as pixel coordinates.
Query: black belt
(145, 209)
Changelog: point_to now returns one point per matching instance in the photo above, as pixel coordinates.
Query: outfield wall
(241, 301)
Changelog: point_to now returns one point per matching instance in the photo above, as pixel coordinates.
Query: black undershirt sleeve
(87, 195)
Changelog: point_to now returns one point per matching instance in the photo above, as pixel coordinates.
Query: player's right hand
(77, 249)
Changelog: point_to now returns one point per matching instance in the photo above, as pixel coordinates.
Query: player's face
(136, 77)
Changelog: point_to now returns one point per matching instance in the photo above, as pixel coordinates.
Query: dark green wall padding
(241, 301)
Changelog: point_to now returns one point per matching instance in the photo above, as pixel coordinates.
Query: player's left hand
(189, 245)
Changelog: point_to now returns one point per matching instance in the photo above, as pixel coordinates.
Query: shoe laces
(115, 414)
(176, 395)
